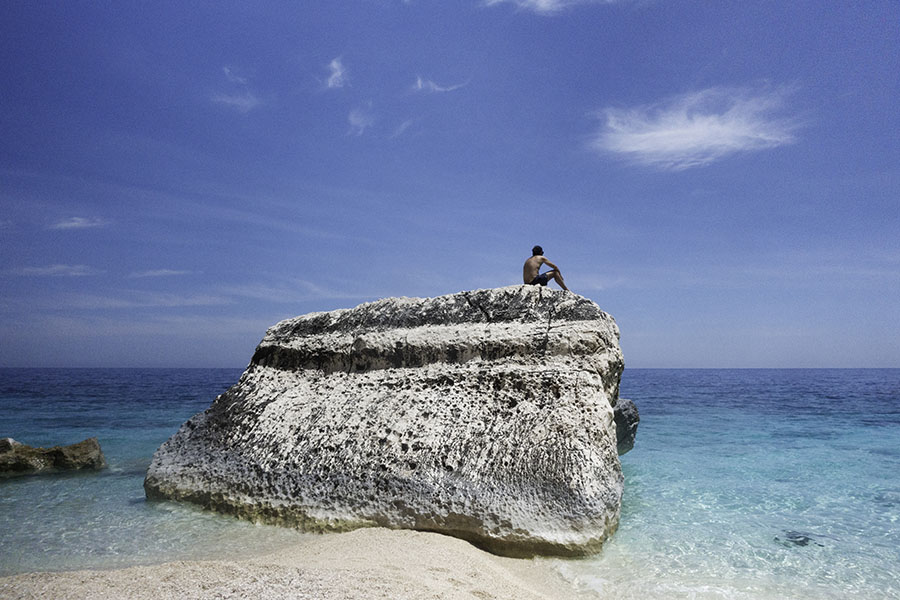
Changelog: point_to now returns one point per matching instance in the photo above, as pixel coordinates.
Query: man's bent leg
(558, 278)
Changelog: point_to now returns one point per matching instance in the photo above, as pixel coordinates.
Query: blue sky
(722, 177)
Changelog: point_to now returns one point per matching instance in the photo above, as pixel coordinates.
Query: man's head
(537, 251)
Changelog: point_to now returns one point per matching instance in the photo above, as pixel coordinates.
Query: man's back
(532, 268)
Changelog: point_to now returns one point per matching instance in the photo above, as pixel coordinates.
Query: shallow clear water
(100, 520)
(742, 484)
(757, 484)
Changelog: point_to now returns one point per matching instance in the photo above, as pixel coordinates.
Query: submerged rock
(486, 415)
(797, 538)
(18, 459)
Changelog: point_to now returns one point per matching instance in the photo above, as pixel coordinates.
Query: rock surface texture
(487, 415)
(18, 459)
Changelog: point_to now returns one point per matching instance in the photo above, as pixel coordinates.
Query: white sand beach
(362, 564)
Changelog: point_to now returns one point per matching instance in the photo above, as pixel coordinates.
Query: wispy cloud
(233, 77)
(243, 101)
(79, 223)
(546, 7)
(158, 273)
(337, 77)
(698, 128)
(60, 271)
(590, 281)
(241, 98)
(401, 129)
(360, 119)
(426, 85)
(146, 300)
(289, 291)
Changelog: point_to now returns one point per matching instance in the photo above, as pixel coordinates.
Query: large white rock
(486, 415)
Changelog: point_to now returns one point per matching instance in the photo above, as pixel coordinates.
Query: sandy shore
(364, 564)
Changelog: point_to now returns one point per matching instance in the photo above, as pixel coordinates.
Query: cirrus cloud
(546, 7)
(698, 128)
(158, 273)
(402, 128)
(337, 77)
(60, 271)
(426, 85)
(241, 98)
(79, 223)
(243, 101)
(360, 119)
(232, 75)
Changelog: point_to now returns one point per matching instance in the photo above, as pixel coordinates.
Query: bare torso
(532, 268)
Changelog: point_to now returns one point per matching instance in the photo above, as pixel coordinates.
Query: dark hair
(537, 251)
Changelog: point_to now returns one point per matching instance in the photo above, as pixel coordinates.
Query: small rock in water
(18, 459)
(627, 419)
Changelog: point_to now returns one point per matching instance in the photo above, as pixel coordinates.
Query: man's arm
(549, 264)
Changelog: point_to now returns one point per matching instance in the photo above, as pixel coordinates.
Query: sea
(743, 484)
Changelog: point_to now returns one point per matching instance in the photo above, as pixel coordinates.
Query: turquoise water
(757, 484)
(88, 520)
(742, 484)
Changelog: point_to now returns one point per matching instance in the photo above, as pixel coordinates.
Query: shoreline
(368, 564)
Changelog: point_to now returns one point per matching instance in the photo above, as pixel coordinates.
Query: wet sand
(362, 564)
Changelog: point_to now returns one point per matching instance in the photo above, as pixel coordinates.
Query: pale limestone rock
(486, 415)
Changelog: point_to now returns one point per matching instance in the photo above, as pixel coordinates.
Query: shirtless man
(531, 272)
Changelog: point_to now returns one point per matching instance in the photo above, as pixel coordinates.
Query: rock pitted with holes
(486, 415)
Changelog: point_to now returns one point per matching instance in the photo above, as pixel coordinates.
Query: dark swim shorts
(542, 279)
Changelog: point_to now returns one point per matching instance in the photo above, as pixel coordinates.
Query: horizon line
(627, 368)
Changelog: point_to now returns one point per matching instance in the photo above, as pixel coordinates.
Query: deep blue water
(742, 484)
